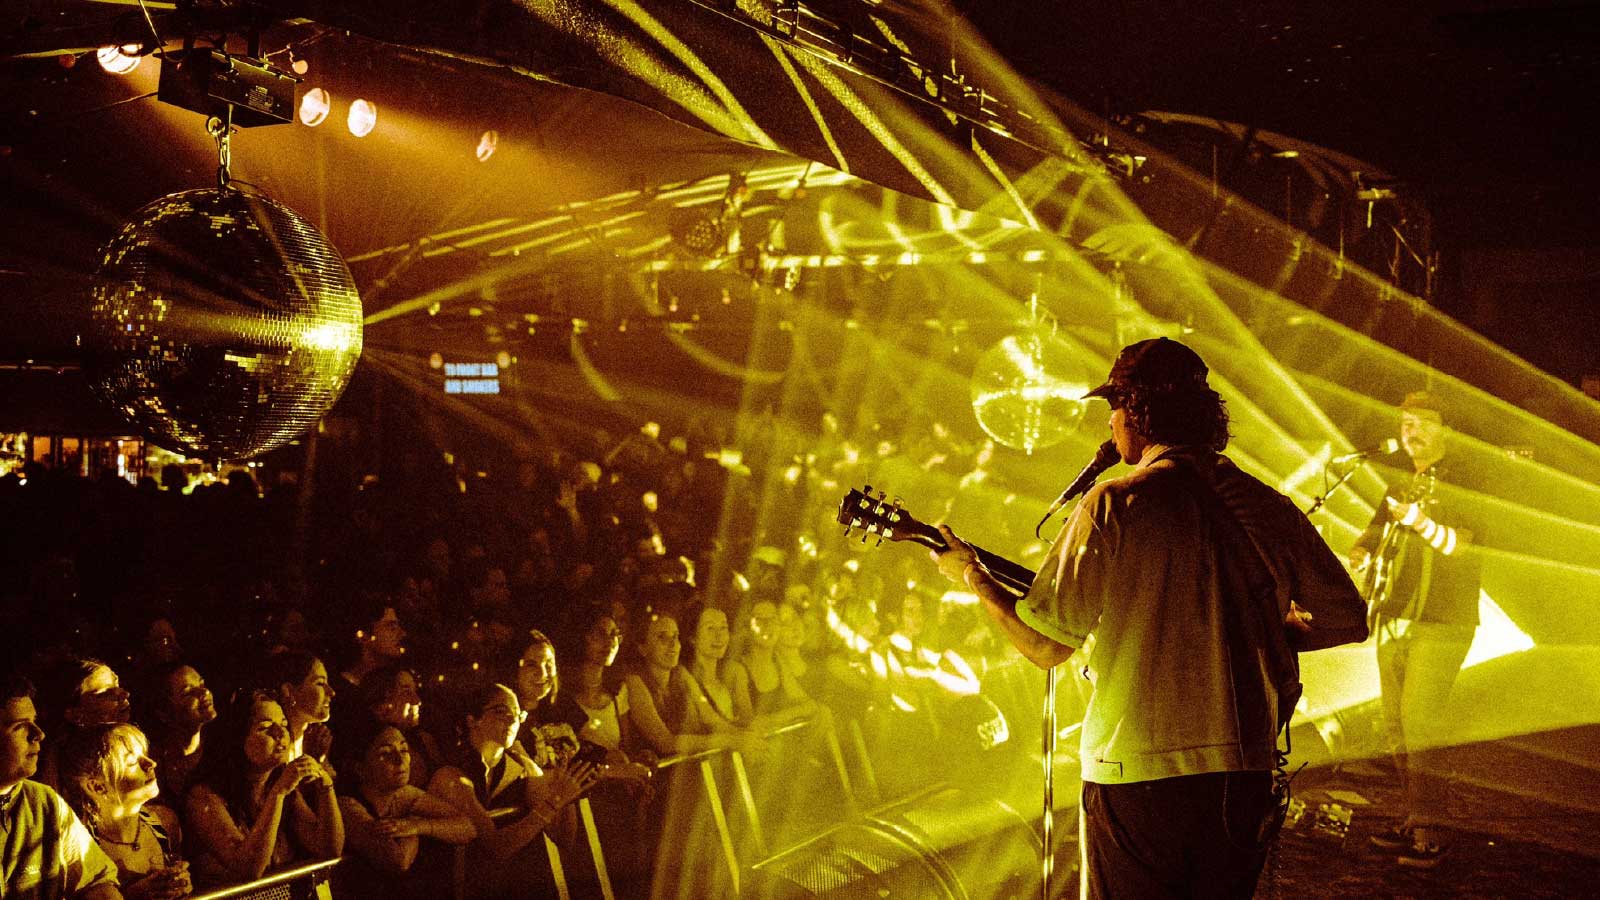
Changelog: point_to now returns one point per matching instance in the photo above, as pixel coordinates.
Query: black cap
(1160, 364)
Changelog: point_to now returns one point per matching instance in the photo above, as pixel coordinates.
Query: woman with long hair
(708, 650)
(663, 708)
(299, 682)
(109, 780)
(548, 735)
(386, 816)
(257, 804)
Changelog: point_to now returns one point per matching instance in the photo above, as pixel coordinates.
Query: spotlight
(487, 142)
(363, 117)
(119, 60)
(314, 107)
(300, 66)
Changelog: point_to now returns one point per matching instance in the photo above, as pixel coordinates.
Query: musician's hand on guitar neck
(1360, 558)
(954, 560)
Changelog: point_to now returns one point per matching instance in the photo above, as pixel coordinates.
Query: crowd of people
(219, 682)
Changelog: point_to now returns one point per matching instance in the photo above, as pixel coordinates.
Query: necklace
(138, 831)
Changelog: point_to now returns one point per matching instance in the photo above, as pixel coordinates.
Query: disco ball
(1027, 390)
(224, 325)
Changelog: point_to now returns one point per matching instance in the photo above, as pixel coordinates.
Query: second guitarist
(1423, 583)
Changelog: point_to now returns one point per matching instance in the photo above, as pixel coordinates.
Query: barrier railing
(713, 794)
(299, 883)
(730, 848)
(558, 872)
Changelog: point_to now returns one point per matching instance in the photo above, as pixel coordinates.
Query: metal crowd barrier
(302, 882)
(458, 875)
(731, 856)
(719, 815)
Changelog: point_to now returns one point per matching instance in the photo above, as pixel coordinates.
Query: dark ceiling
(1484, 108)
(1489, 103)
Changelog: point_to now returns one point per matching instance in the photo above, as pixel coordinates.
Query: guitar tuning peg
(880, 541)
(847, 531)
(882, 496)
(864, 537)
(866, 491)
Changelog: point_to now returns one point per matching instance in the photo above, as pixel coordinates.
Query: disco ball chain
(221, 130)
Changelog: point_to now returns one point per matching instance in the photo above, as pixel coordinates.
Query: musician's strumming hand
(1298, 619)
(957, 558)
(1360, 557)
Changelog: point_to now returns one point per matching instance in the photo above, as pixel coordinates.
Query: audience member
(109, 780)
(605, 708)
(46, 853)
(547, 735)
(77, 692)
(708, 646)
(386, 817)
(177, 707)
(378, 640)
(489, 769)
(662, 707)
(391, 694)
(299, 682)
(248, 810)
(763, 691)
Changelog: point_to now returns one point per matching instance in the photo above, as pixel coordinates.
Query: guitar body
(1378, 580)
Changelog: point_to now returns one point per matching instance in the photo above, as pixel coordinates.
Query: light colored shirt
(1183, 570)
(45, 851)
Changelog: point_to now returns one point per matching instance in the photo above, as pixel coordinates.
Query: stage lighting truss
(814, 31)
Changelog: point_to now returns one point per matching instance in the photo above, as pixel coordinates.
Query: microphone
(1384, 449)
(1104, 458)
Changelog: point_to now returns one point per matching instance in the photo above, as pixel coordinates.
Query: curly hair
(1187, 416)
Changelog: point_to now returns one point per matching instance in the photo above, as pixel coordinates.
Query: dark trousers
(1417, 666)
(1190, 836)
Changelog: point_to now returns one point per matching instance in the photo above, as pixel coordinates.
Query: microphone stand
(1047, 822)
(1317, 503)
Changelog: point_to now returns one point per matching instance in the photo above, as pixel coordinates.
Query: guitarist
(1423, 587)
(1200, 584)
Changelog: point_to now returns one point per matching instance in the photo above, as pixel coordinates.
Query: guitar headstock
(884, 518)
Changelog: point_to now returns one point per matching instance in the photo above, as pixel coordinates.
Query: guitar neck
(889, 522)
(1014, 577)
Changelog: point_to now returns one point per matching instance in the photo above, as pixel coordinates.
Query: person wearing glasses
(488, 770)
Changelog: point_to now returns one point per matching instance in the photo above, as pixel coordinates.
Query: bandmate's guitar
(890, 522)
(1379, 574)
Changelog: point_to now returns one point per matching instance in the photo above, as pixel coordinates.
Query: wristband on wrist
(1413, 513)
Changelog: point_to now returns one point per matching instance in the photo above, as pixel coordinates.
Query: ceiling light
(314, 107)
(363, 117)
(487, 142)
(119, 60)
